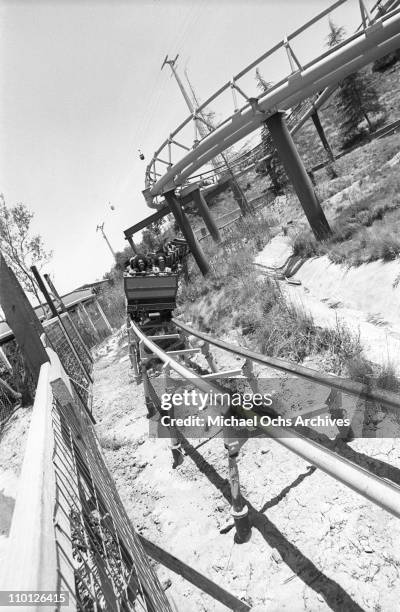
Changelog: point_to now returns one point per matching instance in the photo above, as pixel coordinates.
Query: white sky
(82, 90)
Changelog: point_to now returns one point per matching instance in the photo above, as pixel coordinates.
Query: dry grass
(240, 298)
(365, 230)
(236, 296)
(386, 378)
(112, 300)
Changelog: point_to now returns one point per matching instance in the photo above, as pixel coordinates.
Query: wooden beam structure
(165, 210)
(193, 576)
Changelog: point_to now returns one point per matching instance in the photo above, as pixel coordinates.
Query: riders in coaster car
(138, 265)
(161, 263)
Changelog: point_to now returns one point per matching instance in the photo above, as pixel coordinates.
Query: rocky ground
(12, 444)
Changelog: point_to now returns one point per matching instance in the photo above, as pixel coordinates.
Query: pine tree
(274, 167)
(356, 97)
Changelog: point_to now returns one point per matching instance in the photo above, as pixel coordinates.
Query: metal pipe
(239, 509)
(347, 386)
(384, 494)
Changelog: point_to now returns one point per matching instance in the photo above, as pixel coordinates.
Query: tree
(336, 35)
(356, 97)
(274, 166)
(152, 236)
(20, 248)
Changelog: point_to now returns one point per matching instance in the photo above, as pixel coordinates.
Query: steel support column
(204, 211)
(239, 510)
(187, 231)
(321, 133)
(297, 174)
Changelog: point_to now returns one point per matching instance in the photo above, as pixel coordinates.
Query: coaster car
(151, 293)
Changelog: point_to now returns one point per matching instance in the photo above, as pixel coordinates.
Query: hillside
(387, 83)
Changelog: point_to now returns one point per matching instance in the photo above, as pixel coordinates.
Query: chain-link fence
(86, 329)
(19, 384)
(97, 318)
(72, 339)
(111, 570)
(78, 342)
(73, 355)
(8, 400)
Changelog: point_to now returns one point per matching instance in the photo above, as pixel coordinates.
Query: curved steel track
(378, 490)
(374, 39)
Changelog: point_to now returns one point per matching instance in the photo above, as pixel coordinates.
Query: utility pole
(171, 63)
(101, 228)
(204, 127)
(203, 131)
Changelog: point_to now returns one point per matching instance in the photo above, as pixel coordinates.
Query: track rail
(373, 39)
(379, 491)
(351, 387)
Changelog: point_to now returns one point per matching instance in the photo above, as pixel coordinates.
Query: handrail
(287, 90)
(341, 384)
(384, 494)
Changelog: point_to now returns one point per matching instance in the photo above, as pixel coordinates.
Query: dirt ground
(364, 298)
(315, 544)
(12, 445)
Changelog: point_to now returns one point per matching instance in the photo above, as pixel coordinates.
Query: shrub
(387, 378)
(304, 244)
(385, 62)
(386, 246)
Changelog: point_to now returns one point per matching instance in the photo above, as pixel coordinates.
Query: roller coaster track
(380, 491)
(376, 37)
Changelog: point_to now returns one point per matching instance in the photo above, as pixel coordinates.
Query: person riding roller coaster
(137, 265)
(161, 266)
(166, 261)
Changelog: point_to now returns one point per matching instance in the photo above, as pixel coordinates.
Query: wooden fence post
(22, 319)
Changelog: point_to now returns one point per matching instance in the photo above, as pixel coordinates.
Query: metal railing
(66, 341)
(351, 387)
(375, 37)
